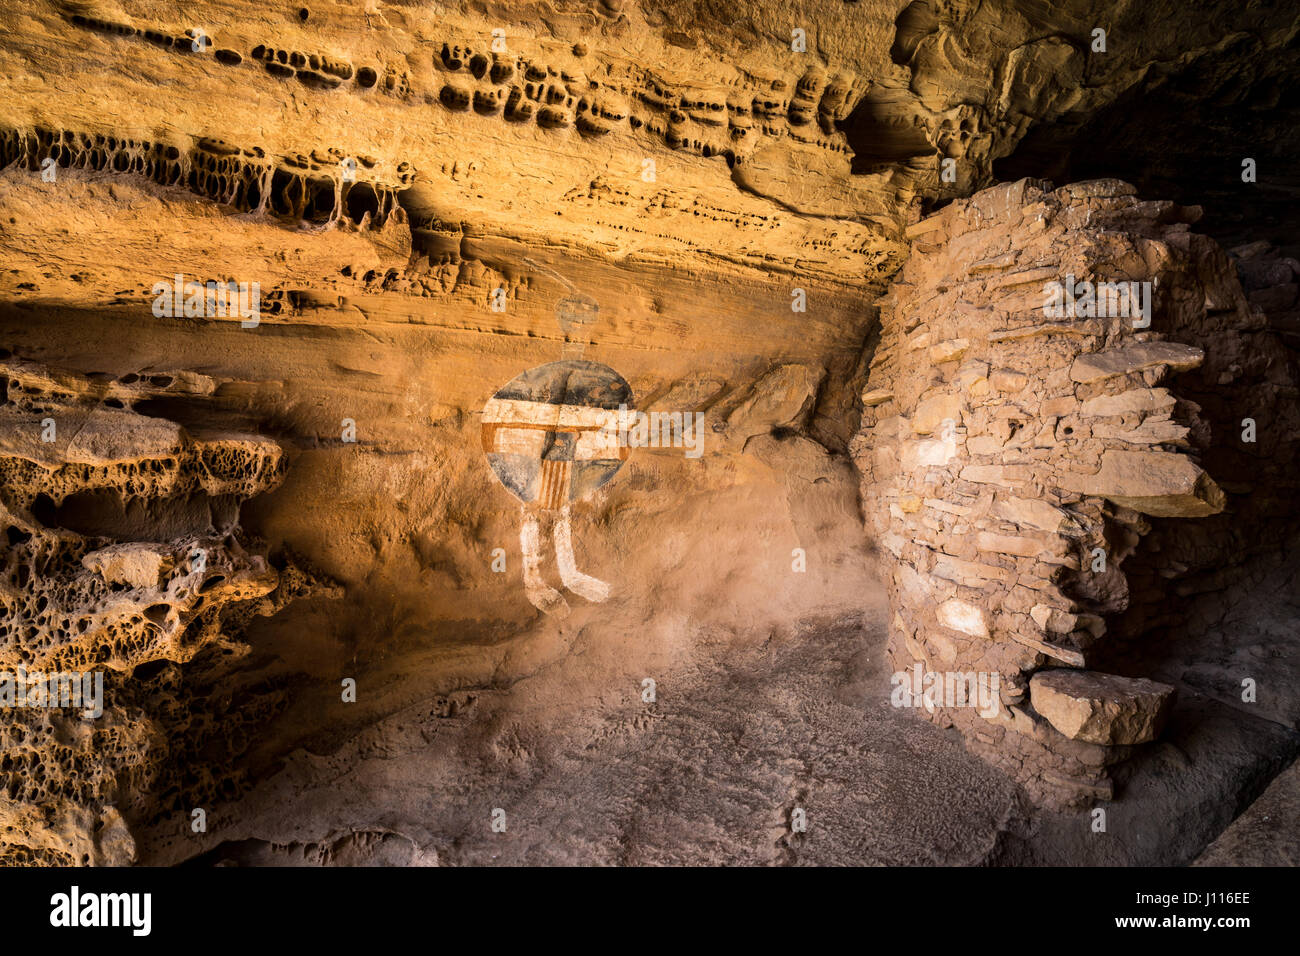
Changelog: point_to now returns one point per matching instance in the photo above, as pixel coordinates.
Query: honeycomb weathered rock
(81, 475)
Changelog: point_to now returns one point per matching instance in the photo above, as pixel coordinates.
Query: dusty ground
(711, 772)
(708, 774)
(1265, 835)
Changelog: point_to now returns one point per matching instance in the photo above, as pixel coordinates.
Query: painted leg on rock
(583, 585)
(544, 597)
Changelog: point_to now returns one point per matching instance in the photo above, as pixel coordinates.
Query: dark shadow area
(882, 132)
(102, 513)
(1185, 136)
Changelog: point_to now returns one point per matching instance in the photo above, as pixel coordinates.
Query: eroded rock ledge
(124, 559)
(1012, 460)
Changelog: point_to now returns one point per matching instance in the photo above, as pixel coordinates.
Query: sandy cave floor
(710, 773)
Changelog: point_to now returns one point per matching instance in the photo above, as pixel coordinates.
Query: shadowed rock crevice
(1183, 133)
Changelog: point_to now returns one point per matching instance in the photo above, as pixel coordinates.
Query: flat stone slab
(1135, 358)
(1160, 483)
(1101, 708)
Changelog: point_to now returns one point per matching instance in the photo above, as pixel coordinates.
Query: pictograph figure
(549, 438)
